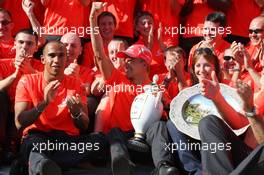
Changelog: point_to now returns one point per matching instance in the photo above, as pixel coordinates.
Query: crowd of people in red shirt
(59, 58)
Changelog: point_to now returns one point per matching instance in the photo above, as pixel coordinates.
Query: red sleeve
(22, 91)
(86, 75)
(116, 78)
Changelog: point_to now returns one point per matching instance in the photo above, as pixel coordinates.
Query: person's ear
(42, 59)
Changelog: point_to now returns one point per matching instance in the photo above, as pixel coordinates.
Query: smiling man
(137, 60)
(256, 36)
(6, 39)
(107, 25)
(213, 31)
(10, 72)
(51, 108)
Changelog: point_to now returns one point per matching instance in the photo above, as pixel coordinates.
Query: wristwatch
(252, 113)
(77, 116)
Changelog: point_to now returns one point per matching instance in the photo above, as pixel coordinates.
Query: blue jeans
(191, 162)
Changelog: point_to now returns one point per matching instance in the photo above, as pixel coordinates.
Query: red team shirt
(69, 15)
(7, 68)
(254, 53)
(56, 115)
(120, 116)
(88, 55)
(7, 49)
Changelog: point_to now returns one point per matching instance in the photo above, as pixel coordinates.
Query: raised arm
(242, 56)
(25, 117)
(22, 65)
(5, 83)
(103, 62)
(211, 90)
(256, 121)
(28, 6)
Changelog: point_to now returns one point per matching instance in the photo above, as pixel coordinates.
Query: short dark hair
(104, 14)
(210, 56)
(176, 49)
(142, 13)
(29, 32)
(2, 10)
(52, 42)
(217, 17)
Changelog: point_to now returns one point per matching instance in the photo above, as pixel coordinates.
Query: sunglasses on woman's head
(204, 49)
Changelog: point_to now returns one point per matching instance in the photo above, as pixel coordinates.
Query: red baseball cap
(136, 51)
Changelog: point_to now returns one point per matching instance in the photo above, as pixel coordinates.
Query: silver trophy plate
(189, 107)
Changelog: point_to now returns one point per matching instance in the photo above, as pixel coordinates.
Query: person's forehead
(257, 24)
(173, 51)
(71, 40)
(115, 44)
(202, 59)
(25, 37)
(210, 24)
(55, 48)
(145, 18)
(106, 19)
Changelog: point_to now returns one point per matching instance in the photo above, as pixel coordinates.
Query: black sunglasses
(227, 58)
(256, 31)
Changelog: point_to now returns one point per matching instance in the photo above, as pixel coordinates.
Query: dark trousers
(156, 137)
(213, 130)
(63, 149)
(9, 136)
(190, 159)
(4, 113)
(253, 164)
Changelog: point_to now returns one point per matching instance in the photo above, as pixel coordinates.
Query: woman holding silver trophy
(229, 149)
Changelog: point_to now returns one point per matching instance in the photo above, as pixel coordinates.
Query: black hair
(29, 32)
(217, 17)
(103, 14)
